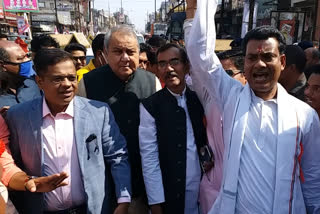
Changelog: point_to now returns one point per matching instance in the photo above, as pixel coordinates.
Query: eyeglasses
(81, 58)
(232, 73)
(171, 62)
(59, 79)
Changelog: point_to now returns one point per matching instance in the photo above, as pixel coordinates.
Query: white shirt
(258, 158)
(150, 160)
(60, 154)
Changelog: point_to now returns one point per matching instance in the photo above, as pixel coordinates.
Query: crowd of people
(158, 127)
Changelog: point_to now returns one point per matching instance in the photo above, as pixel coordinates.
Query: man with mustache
(171, 134)
(271, 139)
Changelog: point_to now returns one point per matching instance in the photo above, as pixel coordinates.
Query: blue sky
(136, 9)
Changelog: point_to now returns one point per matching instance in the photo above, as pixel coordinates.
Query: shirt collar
(177, 95)
(46, 111)
(256, 99)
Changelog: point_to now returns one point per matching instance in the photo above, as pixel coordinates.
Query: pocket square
(91, 138)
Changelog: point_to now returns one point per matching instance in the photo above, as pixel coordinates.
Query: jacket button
(178, 195)
(179, 162)
(179, 145)
(178, 180)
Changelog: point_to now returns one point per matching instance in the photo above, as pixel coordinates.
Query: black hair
(152, 58)
(229, 53)
(75, 47)
(4, 55)
(97, 43)
(264, 33)
(313, 69)
(49, 57)
(182, 51)
(157, 41)
(295, 56)
(43, 41)
(145, 48)
(236, 57)
(3, 36)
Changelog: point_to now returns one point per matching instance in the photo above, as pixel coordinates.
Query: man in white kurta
(272, 142)
(177, 155)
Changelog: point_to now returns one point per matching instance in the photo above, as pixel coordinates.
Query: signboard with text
(20, 5)
(10, 16)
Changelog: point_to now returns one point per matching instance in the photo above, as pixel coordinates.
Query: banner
(22, 25)
(20, 5)
(1, 13)
(10, 16)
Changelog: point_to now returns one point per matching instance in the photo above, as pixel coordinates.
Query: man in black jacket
(122, 85)
(171, 135)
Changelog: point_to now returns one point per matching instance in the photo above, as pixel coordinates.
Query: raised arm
(209, 79)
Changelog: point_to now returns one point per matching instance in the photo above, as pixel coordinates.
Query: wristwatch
(26, 181)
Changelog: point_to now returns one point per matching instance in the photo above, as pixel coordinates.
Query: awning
(80, 38)
(223, 44)
(62, 39)
(65, 39)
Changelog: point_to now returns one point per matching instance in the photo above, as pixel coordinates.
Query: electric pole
(155, 10)
(251, 12)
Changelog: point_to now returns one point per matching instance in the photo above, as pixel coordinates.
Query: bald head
(11, 55)
(10, 51)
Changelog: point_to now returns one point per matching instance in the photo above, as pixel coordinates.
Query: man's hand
(191, 3)
(156, 209)
(191, 8)
(47, 183)
(122, 208)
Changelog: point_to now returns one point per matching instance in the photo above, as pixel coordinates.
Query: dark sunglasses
(81, 58)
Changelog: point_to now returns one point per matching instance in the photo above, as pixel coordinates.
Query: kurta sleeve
(150, 158)
(310, 164)
(209, 80)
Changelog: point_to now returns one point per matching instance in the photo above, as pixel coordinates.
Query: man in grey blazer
(61, 132)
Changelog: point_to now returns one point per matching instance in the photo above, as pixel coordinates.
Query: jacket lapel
(80, 129)
(231, 170)
(35, 120)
